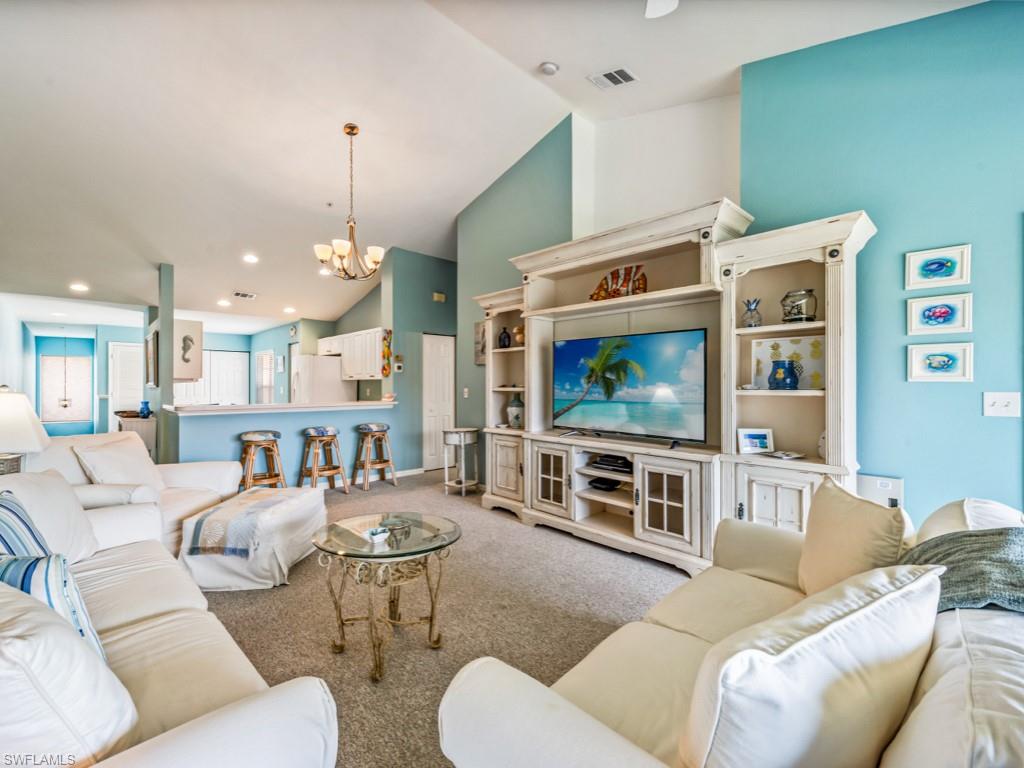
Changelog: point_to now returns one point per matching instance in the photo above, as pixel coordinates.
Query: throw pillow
(18, 536)
(969, 515)
(55, 511)
(60, 697)
(826, 682)
(847, 535)
(48, 580)
(125, 460)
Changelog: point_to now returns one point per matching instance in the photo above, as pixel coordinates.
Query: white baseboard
(401, 473)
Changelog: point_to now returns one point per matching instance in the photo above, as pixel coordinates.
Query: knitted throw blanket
(983, 568)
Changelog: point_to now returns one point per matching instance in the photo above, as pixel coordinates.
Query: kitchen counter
(220, 410)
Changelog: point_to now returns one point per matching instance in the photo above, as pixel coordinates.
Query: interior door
(438, 395)
(228, 374)
(125, 378)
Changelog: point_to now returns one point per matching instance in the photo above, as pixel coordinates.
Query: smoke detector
(548, 68)
(612, 78)
(244, 295)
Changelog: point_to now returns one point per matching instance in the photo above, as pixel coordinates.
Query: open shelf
(508, 389)
(627, 303)
(609, 521)
(588, 471)
(781, 328)
(617, 498)
(781, 392)
(509, 349)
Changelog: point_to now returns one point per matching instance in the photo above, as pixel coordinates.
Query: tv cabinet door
(551, 486)
(668, 503)
(506, 472)
(780, 498)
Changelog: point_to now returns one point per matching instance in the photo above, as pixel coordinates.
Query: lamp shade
(20, 428)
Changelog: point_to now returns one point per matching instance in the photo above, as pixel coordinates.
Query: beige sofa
(627, 702)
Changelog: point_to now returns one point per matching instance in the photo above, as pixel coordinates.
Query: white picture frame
(937, 267)
(940, 314)
(755, 440)
(927, 362)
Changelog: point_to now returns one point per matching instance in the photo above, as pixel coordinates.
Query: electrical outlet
(465, 393)
(1004, 404)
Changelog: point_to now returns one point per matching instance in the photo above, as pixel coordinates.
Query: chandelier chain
(351, 179)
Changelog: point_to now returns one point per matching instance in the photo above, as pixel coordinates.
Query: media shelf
(780, 392)
(782, 329)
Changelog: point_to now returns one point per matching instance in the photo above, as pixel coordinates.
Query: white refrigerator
(317, 379)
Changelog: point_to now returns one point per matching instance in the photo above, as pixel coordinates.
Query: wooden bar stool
(326, 439)
(374, 453)
(252, 442)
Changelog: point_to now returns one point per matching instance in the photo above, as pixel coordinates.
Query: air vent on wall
(244, 295)
(612, 77)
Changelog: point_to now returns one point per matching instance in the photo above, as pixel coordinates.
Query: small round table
(458, 438)
(416, 547)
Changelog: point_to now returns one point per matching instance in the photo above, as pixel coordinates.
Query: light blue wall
(104, 335)
(75, 347)
(365, 314)
(227, 342)
(276, 339)
(920, 125)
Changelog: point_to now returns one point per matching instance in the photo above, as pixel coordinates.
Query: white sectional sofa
(627, 703)
(178, 490)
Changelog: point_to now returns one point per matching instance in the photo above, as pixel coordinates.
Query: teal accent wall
(527, 208)
(364, 314)
(227, 342)
(104, 335)
(311, 331)
(919, 125)
(75, 347)
(275, 339)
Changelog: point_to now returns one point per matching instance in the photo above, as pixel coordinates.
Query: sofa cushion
(177, 666)
(121, 461)
(55, 512)
(59, 697)
(830, 678)
(18, 534)
(126, 584)
(719, 602)
(968, 708)
(639, 682)
(969, 515)
(178, 503)
(847, 535)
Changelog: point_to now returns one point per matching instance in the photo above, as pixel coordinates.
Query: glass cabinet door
(551, 479)
(668, 501)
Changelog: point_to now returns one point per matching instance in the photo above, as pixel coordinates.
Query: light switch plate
(465, 393)
(1005, 404)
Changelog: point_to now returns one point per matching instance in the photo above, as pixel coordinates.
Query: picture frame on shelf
(480, 342)
(755, 440)
(938, 267)
(949, 362)
(940, 314)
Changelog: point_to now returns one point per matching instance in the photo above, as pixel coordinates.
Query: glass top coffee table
(409, 546)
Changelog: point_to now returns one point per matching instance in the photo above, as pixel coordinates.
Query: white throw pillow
(55, 512)
(59, 696)
(826, 683)
(847, 535)
(125, 460)
(969, 515)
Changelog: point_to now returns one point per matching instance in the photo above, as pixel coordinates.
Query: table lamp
(21, 431)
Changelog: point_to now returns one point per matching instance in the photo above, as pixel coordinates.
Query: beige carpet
(536, 598)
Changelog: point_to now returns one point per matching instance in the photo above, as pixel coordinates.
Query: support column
(167, 437)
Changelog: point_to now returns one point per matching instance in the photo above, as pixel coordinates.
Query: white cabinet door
(552, 484)
(349, 363)
(780, 498)
(506, 471)
(668, 510)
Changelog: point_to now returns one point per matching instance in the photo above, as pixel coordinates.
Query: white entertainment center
(699, 268)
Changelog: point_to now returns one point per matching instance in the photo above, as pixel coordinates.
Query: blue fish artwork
(932, 268)
(938, 314)
(940, 361)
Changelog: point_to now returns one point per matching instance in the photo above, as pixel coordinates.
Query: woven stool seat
(320, 431)
(374, 426)
(259, 435)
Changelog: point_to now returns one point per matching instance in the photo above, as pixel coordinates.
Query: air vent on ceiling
(244, 295)
(613, 77)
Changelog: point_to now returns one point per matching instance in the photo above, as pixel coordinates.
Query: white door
(438, 396)
(125, 378)
(228, 374)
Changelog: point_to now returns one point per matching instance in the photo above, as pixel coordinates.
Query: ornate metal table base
(391, 575)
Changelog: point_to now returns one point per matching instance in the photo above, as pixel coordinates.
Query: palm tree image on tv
(608, 370)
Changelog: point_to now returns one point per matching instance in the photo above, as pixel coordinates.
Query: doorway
(125, 379)
(438, 396)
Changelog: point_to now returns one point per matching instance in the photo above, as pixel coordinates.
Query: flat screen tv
(646, 384)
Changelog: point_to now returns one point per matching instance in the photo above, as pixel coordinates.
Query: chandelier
(342, 257)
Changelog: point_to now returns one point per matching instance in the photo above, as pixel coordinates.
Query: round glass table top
(405, 534)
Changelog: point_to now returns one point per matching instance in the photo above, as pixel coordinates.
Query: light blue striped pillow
(18, 535)
(48, 580)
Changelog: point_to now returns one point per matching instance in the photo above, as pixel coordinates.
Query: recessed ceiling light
(223, 303)
(325, 272)
(79, 287)
(59, 314)
(548, 68)
(250, 258)
(289, 310)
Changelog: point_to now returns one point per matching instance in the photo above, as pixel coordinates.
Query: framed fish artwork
(941, 362)
(938, 267)
(939, 314)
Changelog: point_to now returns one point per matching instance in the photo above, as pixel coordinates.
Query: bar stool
(252, 442)
(325, 438)
(374, 440)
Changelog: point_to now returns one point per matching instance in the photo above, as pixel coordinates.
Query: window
(265, 377)
(65, 388)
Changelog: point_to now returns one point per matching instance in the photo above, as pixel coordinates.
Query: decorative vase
(144, 410)
(518, 336)
(504, 339)
(785, 374)
(515, 409)
(751, 317)
(800, 306)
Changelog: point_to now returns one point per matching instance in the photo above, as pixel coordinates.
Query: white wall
(666, 160)
(10, 348)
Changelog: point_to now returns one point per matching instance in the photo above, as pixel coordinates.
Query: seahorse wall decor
(187, 342)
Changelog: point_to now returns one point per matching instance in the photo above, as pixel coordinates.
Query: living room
(436, 382)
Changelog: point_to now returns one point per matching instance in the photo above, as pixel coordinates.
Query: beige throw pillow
(846, 535)
(122, 461)
(825, 683)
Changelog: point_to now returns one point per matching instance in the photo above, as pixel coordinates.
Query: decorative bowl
(377, 535)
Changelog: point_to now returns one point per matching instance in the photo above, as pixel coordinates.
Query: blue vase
(144, 410)
(784, 375)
